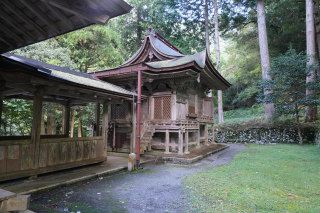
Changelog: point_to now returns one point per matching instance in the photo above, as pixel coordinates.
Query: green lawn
(275, 178)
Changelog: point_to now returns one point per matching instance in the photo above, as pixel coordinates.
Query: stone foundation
(267, 135)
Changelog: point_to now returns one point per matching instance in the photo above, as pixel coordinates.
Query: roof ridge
(163, 39)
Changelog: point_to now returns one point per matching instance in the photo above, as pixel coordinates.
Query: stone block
(18, 203)
(5, 195)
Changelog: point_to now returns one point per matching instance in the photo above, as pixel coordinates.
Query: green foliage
(288, 73)
(162, 15)
(48, 51)
(281, 178)
(16, 118)
(93, 47)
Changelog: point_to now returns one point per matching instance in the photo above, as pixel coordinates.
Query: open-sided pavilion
(25, 22)
(28, 79)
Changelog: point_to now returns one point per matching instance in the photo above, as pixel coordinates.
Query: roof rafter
(12, 34)
(60, 15)
(40, 14)
(16, 25)
(24, 18)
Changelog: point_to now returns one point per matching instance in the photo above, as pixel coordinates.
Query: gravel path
(155, 188)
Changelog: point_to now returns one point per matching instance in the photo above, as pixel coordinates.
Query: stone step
(5, 195)
(18, 203)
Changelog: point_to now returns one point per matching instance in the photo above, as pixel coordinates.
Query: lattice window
(118, 111)
(162, 108)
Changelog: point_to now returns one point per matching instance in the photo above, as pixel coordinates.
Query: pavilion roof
(26, 22)
(52, 73)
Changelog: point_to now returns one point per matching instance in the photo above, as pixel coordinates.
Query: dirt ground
(156, 188)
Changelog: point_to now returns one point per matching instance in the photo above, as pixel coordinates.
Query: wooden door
(120, 139)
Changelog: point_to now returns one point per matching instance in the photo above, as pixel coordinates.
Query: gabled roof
(154, 48)
(26, 22)
(77, 78)
(158, 58)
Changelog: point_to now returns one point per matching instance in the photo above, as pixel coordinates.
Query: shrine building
(175, 108)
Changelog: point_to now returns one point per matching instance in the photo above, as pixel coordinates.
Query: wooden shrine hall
(25, 22)
(23, 78)
(177, 111)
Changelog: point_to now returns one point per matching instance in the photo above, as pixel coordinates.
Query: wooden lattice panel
(158, 108)
(192, 100)
(118, 111)
(166, 107)
(162, 107)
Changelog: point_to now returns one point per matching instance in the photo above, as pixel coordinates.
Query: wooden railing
(144, 128)
(16, 156)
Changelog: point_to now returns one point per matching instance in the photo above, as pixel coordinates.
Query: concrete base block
(167, 153)
(25, 211)
(186, 153)
(19, 203)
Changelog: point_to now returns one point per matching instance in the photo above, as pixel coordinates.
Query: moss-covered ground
(278, 178)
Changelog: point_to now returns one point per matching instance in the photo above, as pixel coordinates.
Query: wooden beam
(105, 121)
(24, 18)
(27, 97)
(36, 127)
(57, 12)
(12, 92)
(41, 15)
(97, 119)
(16, 25)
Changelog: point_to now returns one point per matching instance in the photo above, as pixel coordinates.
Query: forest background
(182, 22)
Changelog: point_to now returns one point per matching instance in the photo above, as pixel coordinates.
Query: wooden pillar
(198, 137)
(180, 151)
(206, 142)
(97, 120)
(105, 121)
(1, 104)
(167, 142)
(186, 149)
(66, 120)
(134, 130)
(36, 127)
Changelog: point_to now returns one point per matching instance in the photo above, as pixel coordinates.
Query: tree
(94, 47)
(218, 64)
(288, 73)
(264, 53)
(311, 112)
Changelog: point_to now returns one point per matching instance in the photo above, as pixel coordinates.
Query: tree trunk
(311, 113)
(299, 130)
(139, 28)
(72, 123)
(207, 28)
(43, 127)
(264, 53)
(80, 133)
(51, 119)
(216, 32)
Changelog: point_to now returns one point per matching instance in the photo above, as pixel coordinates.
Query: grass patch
(281, 178)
